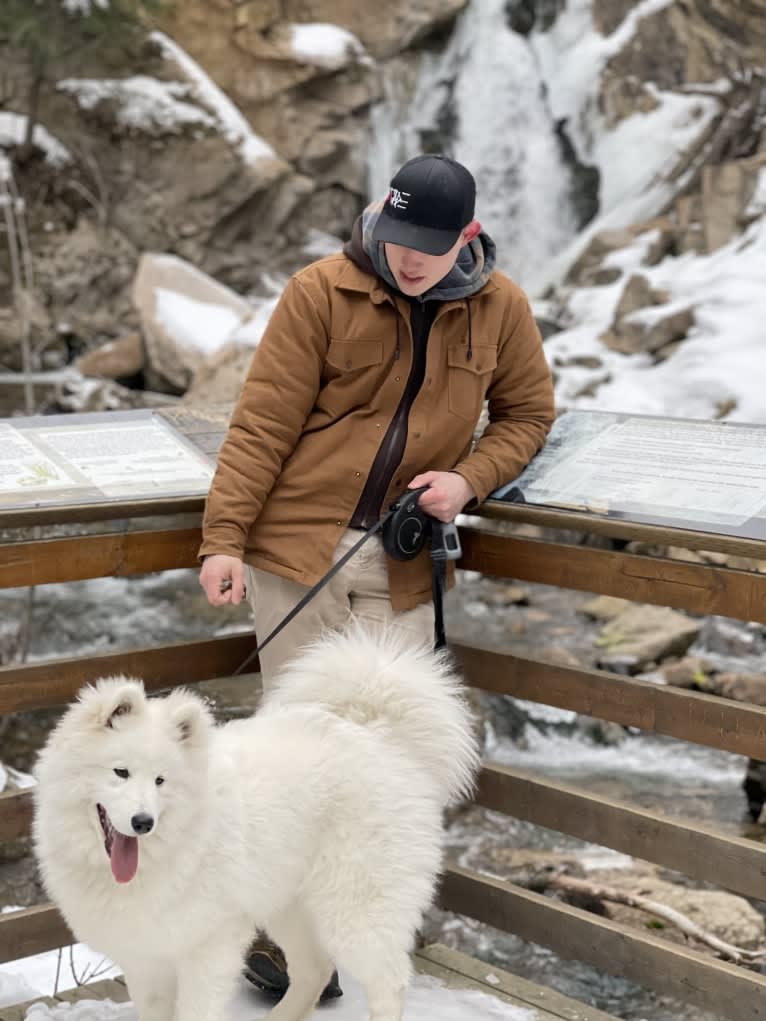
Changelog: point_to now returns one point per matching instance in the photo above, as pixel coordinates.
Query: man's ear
(471, 231)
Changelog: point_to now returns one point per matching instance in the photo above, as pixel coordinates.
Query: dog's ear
(111, 699)
(189, 717)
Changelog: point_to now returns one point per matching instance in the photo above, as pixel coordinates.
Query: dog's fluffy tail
(390, 681)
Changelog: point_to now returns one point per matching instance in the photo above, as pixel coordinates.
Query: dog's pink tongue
(124, 857)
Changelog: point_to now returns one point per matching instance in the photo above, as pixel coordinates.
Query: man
(369, 380)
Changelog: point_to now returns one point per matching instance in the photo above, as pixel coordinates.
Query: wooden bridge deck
(453, 969)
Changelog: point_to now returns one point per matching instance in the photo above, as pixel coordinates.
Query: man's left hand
(446, 496)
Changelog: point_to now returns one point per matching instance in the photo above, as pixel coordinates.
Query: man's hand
(223, 579)
(447, 495)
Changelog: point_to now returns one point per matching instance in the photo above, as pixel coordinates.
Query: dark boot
(266, 968)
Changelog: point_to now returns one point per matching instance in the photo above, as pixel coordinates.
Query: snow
(757, 206)
(326, 46)
(428, 999)
(13, 129)
(198, 325)
(722, 359)
(84, 7)
(636, 157)
(235, 128)
(143, 103)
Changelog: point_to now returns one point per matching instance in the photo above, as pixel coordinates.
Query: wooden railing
(696, 850)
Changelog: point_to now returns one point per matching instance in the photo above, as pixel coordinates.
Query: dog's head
(130, 761)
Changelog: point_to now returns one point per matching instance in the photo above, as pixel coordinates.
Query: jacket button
(358, 474)
(397, 379)
(377, 425)
(339, 523)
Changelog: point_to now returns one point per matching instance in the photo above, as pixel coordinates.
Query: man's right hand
(223, 579)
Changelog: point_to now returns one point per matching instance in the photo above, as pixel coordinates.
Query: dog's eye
(122, 773)
(160, 780)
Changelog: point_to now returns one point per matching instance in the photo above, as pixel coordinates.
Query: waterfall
(482, 99)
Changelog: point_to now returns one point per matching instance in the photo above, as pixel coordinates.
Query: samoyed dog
(165, 839)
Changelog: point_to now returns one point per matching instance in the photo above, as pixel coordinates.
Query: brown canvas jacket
(323, 385)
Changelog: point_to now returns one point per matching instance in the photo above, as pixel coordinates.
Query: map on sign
(115, 456)
(707, 476)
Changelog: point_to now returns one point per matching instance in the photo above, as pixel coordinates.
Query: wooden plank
(699, 588)
(32, 931)
(667, 968)
(458, 970)
(620, 528)
(689, 715)
(696, 850)
(56, 682)
(15, 814)
(103, 989)
(23, 517)
(114, 554)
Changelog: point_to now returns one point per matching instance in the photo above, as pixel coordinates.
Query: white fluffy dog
(165, 839)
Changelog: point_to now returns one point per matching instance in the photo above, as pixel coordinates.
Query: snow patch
(13, 130)
(84, 7)
(326, 46)
(143, 103)
(235, 128)
(198, 325)
(720, 362)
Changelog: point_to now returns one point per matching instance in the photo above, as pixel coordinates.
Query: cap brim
(423, 239)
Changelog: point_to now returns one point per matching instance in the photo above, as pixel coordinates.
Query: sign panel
(708, 476)
(65, 459)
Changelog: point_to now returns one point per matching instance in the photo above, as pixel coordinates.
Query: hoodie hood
(470, 273)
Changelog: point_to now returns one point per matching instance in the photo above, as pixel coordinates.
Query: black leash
(408, 529)
(313, 591)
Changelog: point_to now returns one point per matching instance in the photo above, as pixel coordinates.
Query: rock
(605, 607)
(727, 190)
(12, 329)
(608, 15)
(510, 595)
(85, 274)
(105, 395)
(117, 359)
(642, 635)
(743, 687)
(600, 245)
(725, 915)
(165, 283)
(649, 329)
(690, 672)
(219, 379)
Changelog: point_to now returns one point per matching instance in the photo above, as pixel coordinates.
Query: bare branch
(596, 891)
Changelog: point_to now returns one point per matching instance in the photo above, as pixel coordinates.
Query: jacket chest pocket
(349, 356)
(468, 381)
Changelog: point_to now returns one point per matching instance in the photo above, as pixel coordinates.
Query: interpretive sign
(115, 456)
(708, 476)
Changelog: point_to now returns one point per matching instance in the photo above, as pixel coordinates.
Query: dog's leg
(385, 1004)
(384, 969)
(207, 976)
(153, 992)
(308, 965)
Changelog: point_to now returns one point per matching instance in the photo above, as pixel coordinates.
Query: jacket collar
(352, 278)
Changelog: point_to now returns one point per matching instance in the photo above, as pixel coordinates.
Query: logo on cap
(398, 199)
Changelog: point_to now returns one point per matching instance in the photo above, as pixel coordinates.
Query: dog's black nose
(142, 823)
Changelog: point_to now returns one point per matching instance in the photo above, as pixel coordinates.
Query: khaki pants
(359, 589)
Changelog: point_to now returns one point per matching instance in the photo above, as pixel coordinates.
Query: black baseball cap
(430, 201)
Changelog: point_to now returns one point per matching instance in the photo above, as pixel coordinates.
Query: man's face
(415, 272)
